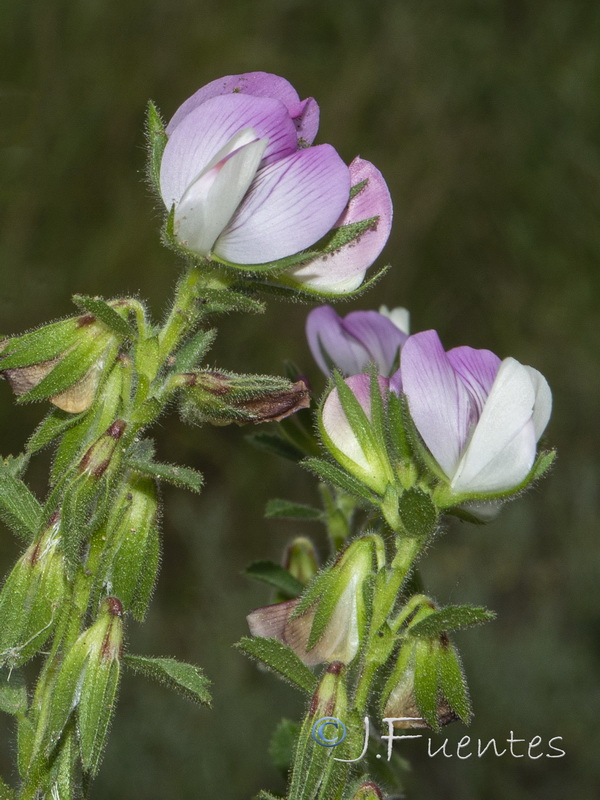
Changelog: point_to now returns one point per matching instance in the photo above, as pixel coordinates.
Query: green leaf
(333, 474)
(183, 477)
(19, 509)
(52, 427)
(157, 140)
(219, 301)
(451, 618)
(418, 513)
(274, 444)
(191, 354)
(184, 678)
(278, 657)
(277, 576)
(285, 509)
(13, 693)
(283, 741)
(105, 313)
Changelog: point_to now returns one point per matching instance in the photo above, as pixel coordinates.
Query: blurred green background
(484, 117)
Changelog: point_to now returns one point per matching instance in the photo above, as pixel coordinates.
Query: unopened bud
(221, 399)
(96, 460)
(328, 622)
(300, 559)
(330, 698)
(368, 791)
(31, 597)
(62, 362)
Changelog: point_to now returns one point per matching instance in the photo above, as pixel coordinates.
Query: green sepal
(95, 709)
(186, 679)
(106, 313)
(40, 345)
(219, 301)
(6, 793)
(452, 682)
(451, 618)
(426, 681)
(399, 445)
(283, 743)
(19, 509)
(54, 425)
(338, 477)
(276, 445)
(13, 693)
(289, 289)
(182, 477)
(157, 141)
(64, 695)
(264, 795)
(280, 659)
(445, 498)
(191, 354)
(418, 513)
(277, 576)
(25, 743)
(63, 766)
(285, 509)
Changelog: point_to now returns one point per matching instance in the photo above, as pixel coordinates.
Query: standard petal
(502, 447)
(207, 129)
(291, 205)
(306, 119)
(331, 345)
(477, 369)
(257, 84)
(438, 401)
(210, 202)
(379, 336)
(343, 271)
(543, 401)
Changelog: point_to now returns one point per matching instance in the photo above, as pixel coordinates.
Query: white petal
(502, 448)
(399, 316)
(543, 401)
(209, 203)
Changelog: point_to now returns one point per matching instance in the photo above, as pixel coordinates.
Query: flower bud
(426, 687)
(131, 539)
(63, 362)
(328, 622)
(88, 681)
(222, 398)
(98, 457)
(301, 560)
(31, 597)
(368, 791)
(351, 435)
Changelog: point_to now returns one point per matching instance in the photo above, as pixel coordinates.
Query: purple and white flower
(360, 338)
(247, 189)
(480, 417)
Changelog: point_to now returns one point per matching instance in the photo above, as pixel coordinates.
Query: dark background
(484, 118)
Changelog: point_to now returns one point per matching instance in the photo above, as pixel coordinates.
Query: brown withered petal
(277, 405)
(75, 399)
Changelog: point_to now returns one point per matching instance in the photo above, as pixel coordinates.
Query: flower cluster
(246, 187)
